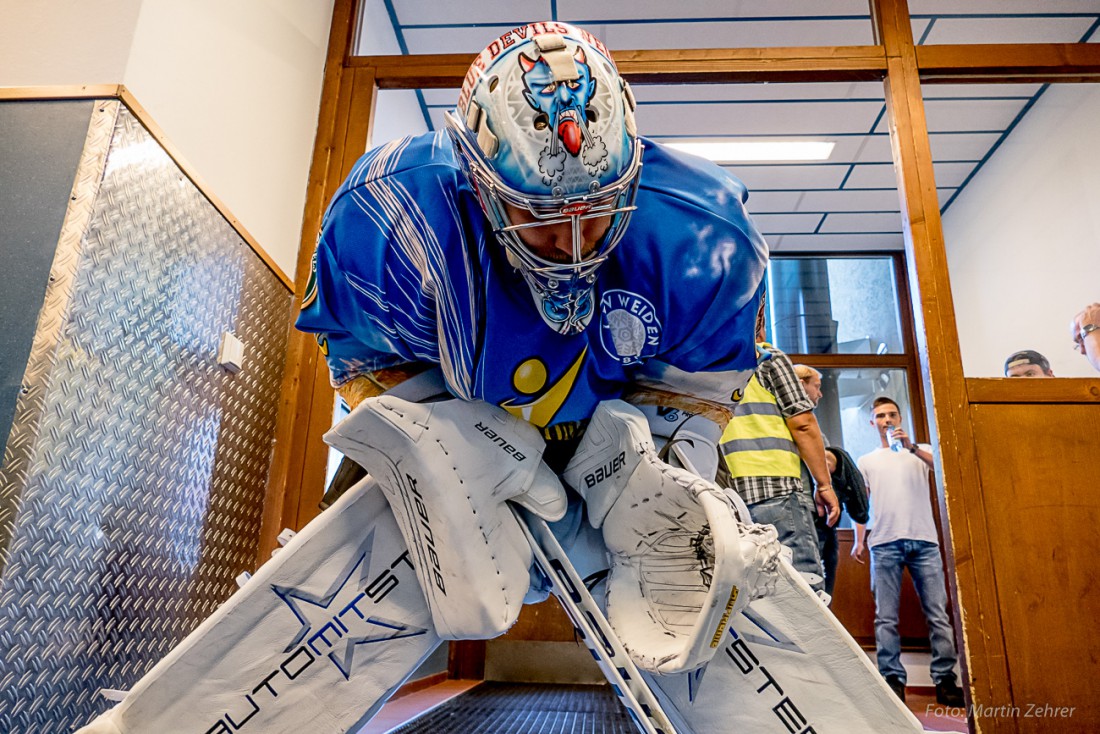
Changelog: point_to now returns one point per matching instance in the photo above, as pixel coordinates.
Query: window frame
(908, 360)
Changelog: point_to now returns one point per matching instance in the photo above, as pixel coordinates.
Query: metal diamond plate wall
(133, 480)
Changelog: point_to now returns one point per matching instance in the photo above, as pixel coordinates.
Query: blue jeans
(793, 518)
(923, 561)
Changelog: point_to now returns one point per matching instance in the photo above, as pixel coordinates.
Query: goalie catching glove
(682, 564)
(448, 469)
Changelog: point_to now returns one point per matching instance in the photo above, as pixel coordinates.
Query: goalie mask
(545, 132)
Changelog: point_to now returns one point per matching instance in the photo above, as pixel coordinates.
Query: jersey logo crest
(531, 378)
(629, 328)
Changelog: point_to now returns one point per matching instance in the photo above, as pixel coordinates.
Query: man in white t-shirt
(902, 534)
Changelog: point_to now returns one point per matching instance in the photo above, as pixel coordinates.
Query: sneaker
(897, 685)
(948, 693)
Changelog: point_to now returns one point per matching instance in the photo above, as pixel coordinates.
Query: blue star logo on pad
(337, 621)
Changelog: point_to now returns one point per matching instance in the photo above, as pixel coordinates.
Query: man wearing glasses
(1085, 331)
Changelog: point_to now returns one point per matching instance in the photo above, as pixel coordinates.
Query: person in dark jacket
(852, 493)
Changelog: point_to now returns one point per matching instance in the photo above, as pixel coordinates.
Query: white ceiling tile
(845, 200)
(945, 147)
(881, 175)
(781, 118)
(397, 114)
(967, 115)
(963, 115)
(849, 148)
(872, 176)
(961, 147)
(786, 223)
(440, 97)
(763, 202)
(658, 35)
(1008, 30)
(634, 9)
(1000, 7)
(496, 12)
(454, 40)
(734, 34)
(946, 91)
(873, 149)
(436, 114)
(839, 242)
(773, 91)
(789, 177)
(862, 222)
(376, 34)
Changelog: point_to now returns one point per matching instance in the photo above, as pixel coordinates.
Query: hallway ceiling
(848, 202)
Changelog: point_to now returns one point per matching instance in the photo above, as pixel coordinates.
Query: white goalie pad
(682, 565)
(317, 639)
(785, 665)
(447, 469)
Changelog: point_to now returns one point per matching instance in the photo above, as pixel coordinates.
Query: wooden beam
(978, 624)
(81, 91)
(1064, 390)
(1001, 63)
(1010, 63)
(676, 66)
(740, 65)
(854, 361)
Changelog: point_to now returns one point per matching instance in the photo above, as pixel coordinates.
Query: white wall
(45, 42)
(235, 86)
(1023, 239)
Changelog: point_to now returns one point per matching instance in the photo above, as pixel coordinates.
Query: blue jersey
(407, 271)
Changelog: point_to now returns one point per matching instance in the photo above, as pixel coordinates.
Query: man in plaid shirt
(772, 428)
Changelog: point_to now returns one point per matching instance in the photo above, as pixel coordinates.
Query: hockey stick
(601, 640)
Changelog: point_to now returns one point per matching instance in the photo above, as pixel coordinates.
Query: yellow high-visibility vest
(757, 442)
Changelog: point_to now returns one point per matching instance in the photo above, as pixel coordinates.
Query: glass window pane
(844, 412)
(819, 305)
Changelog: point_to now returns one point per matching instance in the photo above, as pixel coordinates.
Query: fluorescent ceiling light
(739, 151)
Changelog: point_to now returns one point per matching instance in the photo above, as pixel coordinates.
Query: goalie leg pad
(447, 469)
(323, 632)
(682, 565)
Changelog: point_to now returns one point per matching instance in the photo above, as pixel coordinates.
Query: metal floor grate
(526, 708)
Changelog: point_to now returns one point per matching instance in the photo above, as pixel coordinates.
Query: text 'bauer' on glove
(682, 564)
(447, 469)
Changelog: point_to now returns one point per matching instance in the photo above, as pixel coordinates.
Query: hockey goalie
(586, 301)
